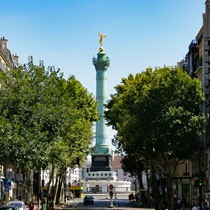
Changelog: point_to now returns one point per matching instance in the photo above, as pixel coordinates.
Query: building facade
(9, 177)
(197, 64)
(8, 61)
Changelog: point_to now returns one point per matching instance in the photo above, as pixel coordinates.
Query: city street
(102, 202)
(105, 105)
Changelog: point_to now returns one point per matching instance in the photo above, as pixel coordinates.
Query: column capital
(102, 61)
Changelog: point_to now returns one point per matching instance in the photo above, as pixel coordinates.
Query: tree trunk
(29, 177)
(59, 188)
(50, 181)
(141, 193)
(148, 190)
(36, 185)
(171, 204)
(50, 189)
(155, 190)
(56, 189)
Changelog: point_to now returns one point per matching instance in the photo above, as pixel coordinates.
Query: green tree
(156, 114)
(46, 120)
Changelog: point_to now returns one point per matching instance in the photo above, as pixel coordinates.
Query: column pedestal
(101, 163)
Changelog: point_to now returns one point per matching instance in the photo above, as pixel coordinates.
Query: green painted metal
(101, 64)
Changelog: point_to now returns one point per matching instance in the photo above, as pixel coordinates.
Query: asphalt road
(103, 202)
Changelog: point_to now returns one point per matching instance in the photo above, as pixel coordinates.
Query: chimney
(3, 43)
(15, 59)
(207, 7)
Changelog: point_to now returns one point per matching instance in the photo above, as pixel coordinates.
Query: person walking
(31, 205)
(194, 207)
(44, 205)
(206, 206)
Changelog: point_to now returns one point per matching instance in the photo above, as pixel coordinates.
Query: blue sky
(64, 34)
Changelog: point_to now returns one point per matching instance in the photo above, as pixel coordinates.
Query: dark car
(88, 199)
(9, 208)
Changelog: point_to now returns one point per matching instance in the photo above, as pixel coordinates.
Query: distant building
(73, 175)
(8, 174)
(117, 167)
(7, 60)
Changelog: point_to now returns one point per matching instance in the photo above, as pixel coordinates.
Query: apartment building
(8, 61)
(197, 64)
(8, 173)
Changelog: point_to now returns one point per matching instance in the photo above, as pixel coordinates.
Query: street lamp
(1, 184)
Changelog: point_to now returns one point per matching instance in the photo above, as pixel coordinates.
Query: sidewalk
(67, 204)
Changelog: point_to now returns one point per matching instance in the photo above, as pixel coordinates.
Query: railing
(198, 63)
(186, 174)
(193, 44)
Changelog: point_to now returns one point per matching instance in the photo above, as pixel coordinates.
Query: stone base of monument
(101, 162)
(101, 175)
(102, 186)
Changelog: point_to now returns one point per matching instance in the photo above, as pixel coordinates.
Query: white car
(20, 204)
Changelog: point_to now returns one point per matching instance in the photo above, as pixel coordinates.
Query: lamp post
(1, 184)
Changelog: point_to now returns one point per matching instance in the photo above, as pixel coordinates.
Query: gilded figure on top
(101, 38)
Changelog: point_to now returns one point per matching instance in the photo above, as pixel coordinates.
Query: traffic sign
(111, 187)
(19, 177)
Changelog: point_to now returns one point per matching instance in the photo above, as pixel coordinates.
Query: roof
(117, 162)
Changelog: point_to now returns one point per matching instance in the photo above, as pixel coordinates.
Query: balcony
(198, 63)
(193, 45)
(186, 174)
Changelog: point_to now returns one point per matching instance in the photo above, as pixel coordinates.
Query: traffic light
(200, 183)
(196, 183)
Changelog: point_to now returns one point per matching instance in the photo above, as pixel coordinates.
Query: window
(186, 168)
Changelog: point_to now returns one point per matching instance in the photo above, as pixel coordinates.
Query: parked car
(20, 204)
(88, 199)
(8, 208)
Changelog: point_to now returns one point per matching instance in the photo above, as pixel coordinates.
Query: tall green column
(101, 158)
(101, 64)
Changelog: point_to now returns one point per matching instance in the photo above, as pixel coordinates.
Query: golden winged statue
(101, 38)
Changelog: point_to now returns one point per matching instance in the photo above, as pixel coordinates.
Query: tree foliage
(156, 114)
(44, 118)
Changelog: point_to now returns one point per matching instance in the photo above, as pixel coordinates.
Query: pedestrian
(132, 197)
(31, 205)
(206, 206)
(194, 207)
(161, 205)
(183, 207)
(44, 205)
